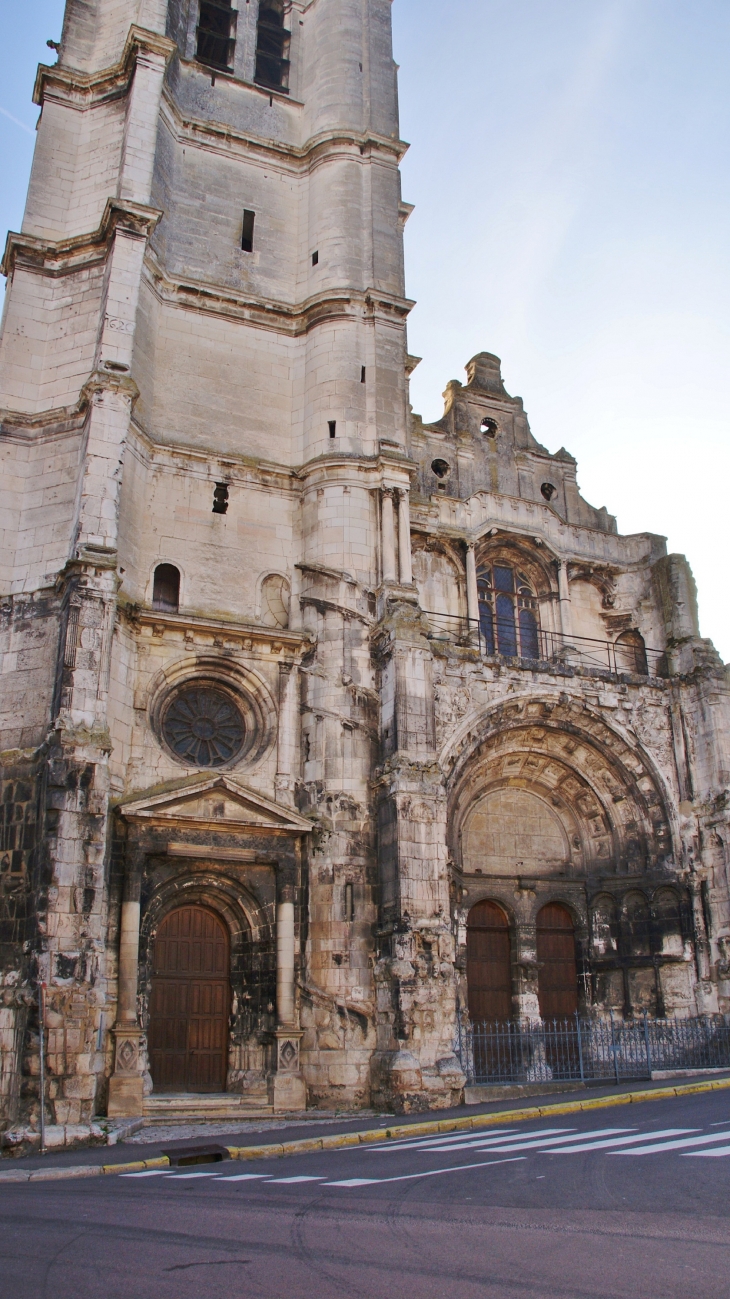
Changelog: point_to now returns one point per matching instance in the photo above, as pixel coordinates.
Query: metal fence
(591, 1050)
(549, 646)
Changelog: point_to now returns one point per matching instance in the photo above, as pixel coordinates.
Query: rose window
(203, 726)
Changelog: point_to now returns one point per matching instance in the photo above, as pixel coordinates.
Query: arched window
(275, 600)
(508, 612)
(166, 589)
(272, 47)
(668, 922)
(631, 653)
(637, 925)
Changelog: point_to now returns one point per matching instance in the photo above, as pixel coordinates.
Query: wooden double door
(190, 1002)
(489, 964)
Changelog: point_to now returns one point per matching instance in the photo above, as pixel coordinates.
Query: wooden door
(488, 964)
(189, 1006)
(557, 972)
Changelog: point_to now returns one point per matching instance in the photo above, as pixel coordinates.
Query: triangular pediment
(218, 802)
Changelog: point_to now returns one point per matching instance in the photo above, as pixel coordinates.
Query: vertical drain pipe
(42, 1035)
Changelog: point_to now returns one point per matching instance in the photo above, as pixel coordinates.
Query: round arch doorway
(557, 979)
(190, 1002)
(488, 964)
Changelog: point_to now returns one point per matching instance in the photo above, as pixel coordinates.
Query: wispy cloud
(23, 126)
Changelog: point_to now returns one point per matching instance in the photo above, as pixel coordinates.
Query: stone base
(483, 1093)
(288, 1093)
(126, 1097)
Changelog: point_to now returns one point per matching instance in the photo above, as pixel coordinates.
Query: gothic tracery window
(508, 612)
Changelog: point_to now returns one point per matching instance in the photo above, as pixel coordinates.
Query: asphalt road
(629, 1202)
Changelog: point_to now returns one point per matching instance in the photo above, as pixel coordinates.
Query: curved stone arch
(621, 777)
(520, 552)
(157, 563)
(486, 893)
(269, 576)
(424, 544)
(249, 922)
(578, 912)
(259, 705)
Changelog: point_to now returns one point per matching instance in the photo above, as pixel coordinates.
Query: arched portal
(557, 979)
(190, 1002)
(488, 969)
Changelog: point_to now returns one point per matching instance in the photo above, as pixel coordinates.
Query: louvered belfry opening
(215, 40)
(190, 1002)
(272, 47)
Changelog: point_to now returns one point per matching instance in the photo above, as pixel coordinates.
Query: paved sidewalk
(272, 1135)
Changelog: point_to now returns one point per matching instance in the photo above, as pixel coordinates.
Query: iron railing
(591, 1050)
(549, 646)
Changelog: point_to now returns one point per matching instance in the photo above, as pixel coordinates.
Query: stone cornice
(275, 640)
(20, 426)
(283, 317)
(83, 90)
(64, 256)
(227, 139)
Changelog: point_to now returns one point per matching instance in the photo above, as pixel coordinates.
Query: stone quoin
(322, 727)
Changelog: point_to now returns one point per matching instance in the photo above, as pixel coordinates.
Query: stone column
(388, 535)
(472, 590)
(126, 1086)
(288, 1089)
(404, 539)
(566, 618)
(287, 734)
(285, 1011)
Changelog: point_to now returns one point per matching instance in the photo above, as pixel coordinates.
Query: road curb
(395, 1133)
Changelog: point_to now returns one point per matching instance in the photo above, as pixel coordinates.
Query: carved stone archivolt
(570, 793)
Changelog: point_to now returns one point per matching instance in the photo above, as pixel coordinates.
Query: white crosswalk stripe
(720, 1153)
(508, 1146)
(673, 1145)
(527, 1143)
(587, 1144)
(376, 1148)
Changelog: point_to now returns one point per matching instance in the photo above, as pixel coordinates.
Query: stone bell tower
(209, 615)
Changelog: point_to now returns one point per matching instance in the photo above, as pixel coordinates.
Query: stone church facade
(321, 726)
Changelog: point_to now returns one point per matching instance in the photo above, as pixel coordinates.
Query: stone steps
(186, 1107)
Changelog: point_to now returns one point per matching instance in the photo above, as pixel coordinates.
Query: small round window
(203, 726)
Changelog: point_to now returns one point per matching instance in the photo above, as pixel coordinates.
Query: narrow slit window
(249, 221)
(363, 374)
(333, 428)
(215, 41)
(315, 259)
(272, 47)
(349, 904)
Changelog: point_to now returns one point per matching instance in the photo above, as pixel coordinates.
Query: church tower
(306, 705)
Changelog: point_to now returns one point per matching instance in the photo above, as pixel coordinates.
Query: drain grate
(196, 1155)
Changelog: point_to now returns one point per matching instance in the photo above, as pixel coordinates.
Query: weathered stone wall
(149, 367)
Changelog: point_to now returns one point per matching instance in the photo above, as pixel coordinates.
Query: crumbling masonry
(298, 693)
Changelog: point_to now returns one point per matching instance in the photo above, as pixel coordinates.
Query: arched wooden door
(189, 1006)
(557, 979)
(488, 964)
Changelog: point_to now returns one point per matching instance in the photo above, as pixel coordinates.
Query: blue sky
(569, 166)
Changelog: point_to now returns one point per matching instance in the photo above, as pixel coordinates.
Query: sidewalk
(295, 1134)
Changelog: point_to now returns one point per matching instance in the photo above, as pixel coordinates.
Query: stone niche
(514, 832)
